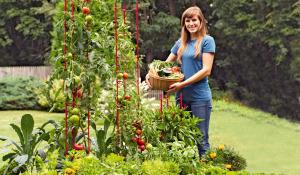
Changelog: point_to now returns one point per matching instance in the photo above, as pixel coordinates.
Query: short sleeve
(209, 45)
(175, 47)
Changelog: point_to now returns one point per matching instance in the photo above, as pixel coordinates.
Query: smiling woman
(195, 52)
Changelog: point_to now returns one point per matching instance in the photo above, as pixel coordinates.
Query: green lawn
(268, 143)
(40, 117)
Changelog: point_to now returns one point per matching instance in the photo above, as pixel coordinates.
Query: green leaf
(19, 132)
(8, 156)
(3, 138)
(27, 124)
(21, 159)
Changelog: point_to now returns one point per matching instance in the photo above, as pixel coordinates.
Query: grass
(268, 143)
(7, 117)
(40, 117)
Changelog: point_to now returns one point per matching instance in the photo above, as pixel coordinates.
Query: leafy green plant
(51, 95)
(178, 123)
(159, 167)
(18, 93)
(225, 156)
(104, 137)
(47, 166)
(24, 151)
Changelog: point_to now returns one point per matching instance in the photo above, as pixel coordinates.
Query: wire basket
(161, 83)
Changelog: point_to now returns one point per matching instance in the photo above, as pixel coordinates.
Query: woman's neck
(194, 36)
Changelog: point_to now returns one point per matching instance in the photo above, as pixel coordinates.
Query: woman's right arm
(171, 58)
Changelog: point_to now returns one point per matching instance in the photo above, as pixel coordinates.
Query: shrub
(18, 93)
(51, 95)
(160, 167)
(226, 157)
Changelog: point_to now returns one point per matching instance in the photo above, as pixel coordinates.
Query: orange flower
(69, 171)
(221, 147)
(228, 166)
(213, 155)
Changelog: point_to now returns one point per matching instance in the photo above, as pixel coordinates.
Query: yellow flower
(228, 166)
(76, 168)
(69, 171)
(213, 155)
(221, 147)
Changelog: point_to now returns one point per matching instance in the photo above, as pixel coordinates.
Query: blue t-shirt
(199, 91)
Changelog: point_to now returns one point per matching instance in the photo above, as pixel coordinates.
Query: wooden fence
(41, 72)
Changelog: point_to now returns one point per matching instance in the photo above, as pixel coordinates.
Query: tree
(25, 32)
(256, 48)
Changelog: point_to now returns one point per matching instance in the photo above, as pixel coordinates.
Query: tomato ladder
(76, 94)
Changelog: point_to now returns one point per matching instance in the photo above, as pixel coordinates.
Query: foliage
(162, 25)
(103, 137)
(159, 167)
(268, 31)
(47, 166)
(51, 96)
(25, 32)
(85, 60)
(175, 123)
(24, 153)
(19, 93)
(257, 41)
(222, 155)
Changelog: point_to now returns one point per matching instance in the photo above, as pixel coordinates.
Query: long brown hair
(185, 34)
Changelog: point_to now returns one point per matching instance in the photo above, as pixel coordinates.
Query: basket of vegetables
(163, 74)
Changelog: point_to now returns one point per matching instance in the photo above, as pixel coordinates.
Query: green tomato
(120, 98)
(75, 111)
(74, 120)
(89, 19)
(77, 79)
(149, 146)
(120, 76)
(69, 56)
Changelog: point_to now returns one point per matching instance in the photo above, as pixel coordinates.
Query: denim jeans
(201, 109)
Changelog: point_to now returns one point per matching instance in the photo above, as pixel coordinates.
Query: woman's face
(192, 24)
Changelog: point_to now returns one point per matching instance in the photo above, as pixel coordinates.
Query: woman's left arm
(208, 59)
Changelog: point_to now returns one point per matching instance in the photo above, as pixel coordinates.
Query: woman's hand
(147, 81)
(175, 87)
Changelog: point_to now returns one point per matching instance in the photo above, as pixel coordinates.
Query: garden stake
(65, 66)
(137, 49)
(118, 141)
(161, 102)
(89, 123)
(167, 100)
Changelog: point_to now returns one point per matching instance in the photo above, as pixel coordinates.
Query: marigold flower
(69, 171)
(221, 147)
(213, 155)
(228, 166)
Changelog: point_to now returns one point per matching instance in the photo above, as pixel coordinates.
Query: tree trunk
(172, 7)
(193, 2)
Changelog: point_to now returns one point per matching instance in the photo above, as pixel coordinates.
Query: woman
(195, 52)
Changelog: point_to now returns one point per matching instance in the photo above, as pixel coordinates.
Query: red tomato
(74, 132)
(175, 69)
(134, 139)
(85, 10)
(125, 75)
(127, 97)
(140, 142)
(142, 147)
(79, 93)
(138, 131)
(78, 146)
